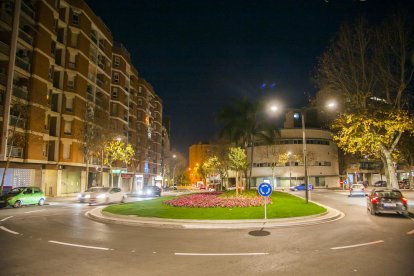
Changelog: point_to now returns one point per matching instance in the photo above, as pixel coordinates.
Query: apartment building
(63, 80)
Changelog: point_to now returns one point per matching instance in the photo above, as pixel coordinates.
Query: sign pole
(265, 198)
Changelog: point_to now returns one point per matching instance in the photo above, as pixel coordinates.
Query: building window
(116, 77)
(68, 127)
(114, 93)
(71, 82)
(69, 104)
(114, 109)
(116, 61)
(53, 48)
(75, 18)
(51, 73)
(66, 151)
(139, 102)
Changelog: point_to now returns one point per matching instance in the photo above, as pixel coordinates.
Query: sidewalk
(105, 217)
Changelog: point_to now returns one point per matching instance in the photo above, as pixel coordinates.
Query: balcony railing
(99, 82)
(15, 151)
(18, 122)
(3, 79)
(23, 64)
(26, 37)
(20, 92)
(71, 65)
(28, 10)
(6, 18)
(4, 48)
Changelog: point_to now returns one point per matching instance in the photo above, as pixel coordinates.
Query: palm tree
(244, 124)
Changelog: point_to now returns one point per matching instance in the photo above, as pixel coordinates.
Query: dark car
(152, 191)
(387, 201)
(380, 183)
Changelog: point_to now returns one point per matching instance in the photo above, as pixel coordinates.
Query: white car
(107, 195)
(84, 197)
(357, 190)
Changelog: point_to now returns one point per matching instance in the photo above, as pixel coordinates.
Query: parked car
(380, 183)
(84, 197)
(107, 195)
(152, 191)
(357, 190)
(20, 196)
(404, 184)
(301, 187)
(387, 201)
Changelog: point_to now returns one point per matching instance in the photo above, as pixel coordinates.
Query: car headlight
(87, 196)
(149, 192)
(101, 196)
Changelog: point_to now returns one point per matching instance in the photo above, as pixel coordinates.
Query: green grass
(283, 206)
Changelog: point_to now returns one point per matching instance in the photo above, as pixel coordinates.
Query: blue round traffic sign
(265, 189)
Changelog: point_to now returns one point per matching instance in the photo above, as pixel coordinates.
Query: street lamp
(330, 105)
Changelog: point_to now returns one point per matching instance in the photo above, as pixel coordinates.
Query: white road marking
(80, 245)
(6, 218)
(8, 230)
(220, 254)
(410, 232)
(33, 211)
(356, 245)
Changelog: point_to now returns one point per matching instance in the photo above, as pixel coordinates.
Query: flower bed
(211, 200)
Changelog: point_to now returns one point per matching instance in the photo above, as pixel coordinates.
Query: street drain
(259, 233)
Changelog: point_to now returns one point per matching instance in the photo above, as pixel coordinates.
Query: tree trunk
(389, 168)
(251, 164)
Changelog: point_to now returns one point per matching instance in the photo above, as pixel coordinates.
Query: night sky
(199, 55)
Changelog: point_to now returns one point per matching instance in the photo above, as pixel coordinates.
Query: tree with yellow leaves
(117, 150)
(375, 134)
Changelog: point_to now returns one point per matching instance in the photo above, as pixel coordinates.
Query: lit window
(114, 93)
(66, 151)
(69, 104)
(68, 127)
(116, 77)
(117, 61)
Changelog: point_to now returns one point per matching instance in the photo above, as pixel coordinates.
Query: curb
(98, 215)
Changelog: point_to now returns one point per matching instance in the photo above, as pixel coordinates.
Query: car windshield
(15, 191)
(93, 189)
(101, 190)
(357, 186)
(389, 194)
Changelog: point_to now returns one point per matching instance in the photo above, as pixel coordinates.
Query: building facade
(281, 164)
(62, 75)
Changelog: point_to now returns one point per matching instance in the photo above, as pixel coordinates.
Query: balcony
(99, 82)
(27, 10)
(6, 18)
(18, 122)
(15, 151)
(20, 92)
(3, 79)
(4, 48)
(23, 64)
(26, 37)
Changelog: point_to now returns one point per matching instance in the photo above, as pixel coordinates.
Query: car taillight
(404, 200)
(374, 200)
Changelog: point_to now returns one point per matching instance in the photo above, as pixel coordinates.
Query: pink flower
(211, 200)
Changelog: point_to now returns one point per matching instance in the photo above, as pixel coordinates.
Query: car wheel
(41, 202)
(17, 204)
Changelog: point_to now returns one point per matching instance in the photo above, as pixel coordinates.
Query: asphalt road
(58, 239)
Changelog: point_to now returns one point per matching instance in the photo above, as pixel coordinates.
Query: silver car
(84, 197)
(357, 190)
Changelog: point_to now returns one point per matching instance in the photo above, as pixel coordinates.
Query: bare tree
(369, 67)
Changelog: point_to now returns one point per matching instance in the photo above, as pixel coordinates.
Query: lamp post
(290, 169)
(305, 165)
